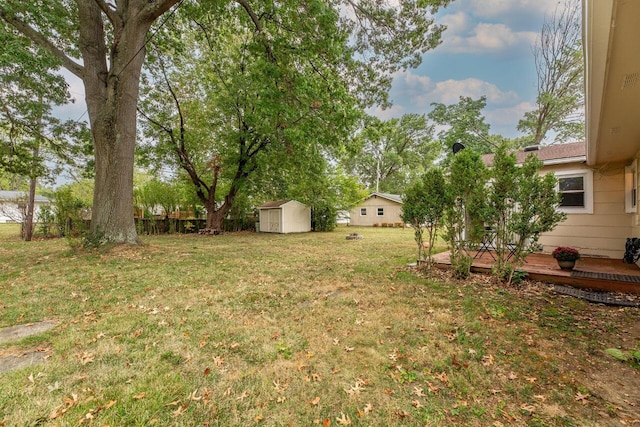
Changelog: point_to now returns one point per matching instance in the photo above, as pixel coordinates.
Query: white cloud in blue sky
(486, 50)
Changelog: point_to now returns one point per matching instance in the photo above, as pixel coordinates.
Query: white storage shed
(285, 216)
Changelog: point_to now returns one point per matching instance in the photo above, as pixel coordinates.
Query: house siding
(604, 232)
(392, 212)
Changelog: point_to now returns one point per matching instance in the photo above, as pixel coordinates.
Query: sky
(486, 50)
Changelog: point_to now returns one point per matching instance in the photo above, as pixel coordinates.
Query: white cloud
(504, 27)
(488, 38)
(496, 8)
(508, 115)
(394, 111)
(421, 91)
(412, 93)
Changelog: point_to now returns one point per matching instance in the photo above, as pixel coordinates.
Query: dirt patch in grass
(13, 333)
(13, 359)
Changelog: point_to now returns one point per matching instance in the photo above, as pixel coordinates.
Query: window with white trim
(631, 187)
(363, 211)
(380, 211)
(576, 191)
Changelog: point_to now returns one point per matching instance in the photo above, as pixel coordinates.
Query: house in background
(284, 216)
(377, 209)
(12, 206)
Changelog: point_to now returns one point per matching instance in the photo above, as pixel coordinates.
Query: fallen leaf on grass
(487, 360)
(528, 408)
(315, 401)
(343, 419)
(416, 404)
(326, 422)
(140, 395)
(180, 410)
(368, 408)
(443, 377)
(85, 358)
(69, 402)
(418, 391)
(258, 418)
(531, 379)
(581, 398)
(110, 404)
(433, 388)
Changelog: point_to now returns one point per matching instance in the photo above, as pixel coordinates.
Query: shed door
(274, 220)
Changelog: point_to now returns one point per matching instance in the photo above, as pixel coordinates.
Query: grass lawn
(301, 330)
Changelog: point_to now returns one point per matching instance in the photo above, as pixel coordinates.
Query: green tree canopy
(392, 153)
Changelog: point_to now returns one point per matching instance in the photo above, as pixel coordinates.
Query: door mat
(609, 298)
(606, 276)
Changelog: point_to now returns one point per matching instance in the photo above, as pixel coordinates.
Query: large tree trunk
(111, 78)
(112, 97)
(214, 219)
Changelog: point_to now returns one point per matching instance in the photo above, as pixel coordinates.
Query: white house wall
(603, 232)
(392, 212)
(9, 212)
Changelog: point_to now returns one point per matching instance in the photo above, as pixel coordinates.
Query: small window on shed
(380, 211)
(363, 211)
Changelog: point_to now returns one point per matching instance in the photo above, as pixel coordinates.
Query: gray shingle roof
(13, 195)
(548, 153)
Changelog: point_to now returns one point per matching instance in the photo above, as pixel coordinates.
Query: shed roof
(273, 204)
(550, 154)
(278, 204)
(14, 195)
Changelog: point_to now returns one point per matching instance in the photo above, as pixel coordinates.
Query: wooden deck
(604, 274)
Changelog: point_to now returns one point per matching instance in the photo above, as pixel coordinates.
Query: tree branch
(113, 16)
(43, 42)
(256, 22)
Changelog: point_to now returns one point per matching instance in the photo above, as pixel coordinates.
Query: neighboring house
(285, 216)
(377, 209)
(13, 203)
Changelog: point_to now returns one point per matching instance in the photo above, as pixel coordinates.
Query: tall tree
(559, 64)
(30, 137)
(393, 153)
(102, 43)
(257, 89)
(464, 124)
